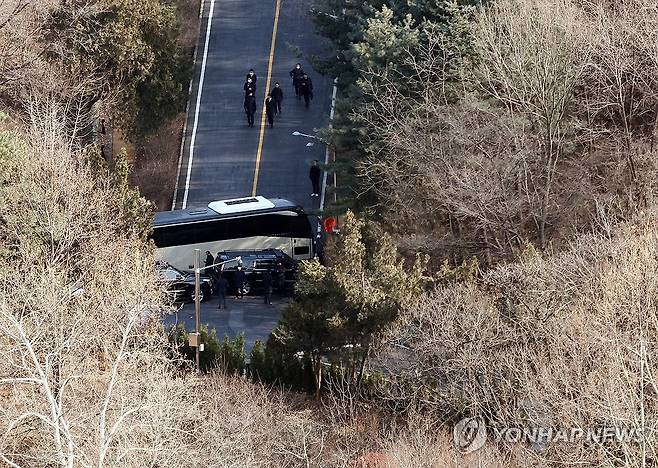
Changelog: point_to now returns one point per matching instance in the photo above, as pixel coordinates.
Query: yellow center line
(267, 87)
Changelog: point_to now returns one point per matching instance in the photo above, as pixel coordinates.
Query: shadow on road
(249, 316)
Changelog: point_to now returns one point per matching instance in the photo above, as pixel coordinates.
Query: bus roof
(246, 206)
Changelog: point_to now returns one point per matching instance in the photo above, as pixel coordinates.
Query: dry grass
(555, 120)
(155, 163)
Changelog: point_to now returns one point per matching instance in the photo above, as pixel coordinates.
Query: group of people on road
(273, 103)
(274, 99)
(250, 97)
(271, 279)
(302, 84)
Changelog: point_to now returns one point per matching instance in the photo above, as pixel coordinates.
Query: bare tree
(84, 365)
(531, 61)
(559, 342)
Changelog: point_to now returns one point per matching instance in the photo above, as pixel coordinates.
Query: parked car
(180, 284)
(255, 263)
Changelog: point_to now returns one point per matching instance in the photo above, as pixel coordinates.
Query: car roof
(161, 266)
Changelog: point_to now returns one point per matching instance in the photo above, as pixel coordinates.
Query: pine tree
(342, 308)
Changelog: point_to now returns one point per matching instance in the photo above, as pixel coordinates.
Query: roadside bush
(226, 355)
(272, 364)
(85, 377)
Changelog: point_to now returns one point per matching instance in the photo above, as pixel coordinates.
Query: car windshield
(169, 274)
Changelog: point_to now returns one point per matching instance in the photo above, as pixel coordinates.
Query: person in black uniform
(222, 287)
(240, 279)
(252, 76)
(277, 95)
(250, 108)
(268, 282)
(249, 87)
(269, 110)
(314, 174)
(280, 277)
(305, 86)
(210, 260)
(296, 75)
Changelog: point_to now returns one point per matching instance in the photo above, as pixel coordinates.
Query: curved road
(224, 160)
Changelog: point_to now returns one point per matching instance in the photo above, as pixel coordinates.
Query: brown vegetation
(156, 163)
(156, 156)
(552, 121)
(86, 375)
(563, 341)
(548, 136)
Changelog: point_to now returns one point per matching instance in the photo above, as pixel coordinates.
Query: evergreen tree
(341, 308)
(129, 49)
(374, 43)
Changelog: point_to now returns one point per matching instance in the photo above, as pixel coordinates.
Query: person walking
(268, 283)
(270, 109)
(277, 95)
(250, 108)
(305, 86)
(252, 76)
(296, 75)
(240, 279)
(222, 287)
(249, 87)
(314, 174)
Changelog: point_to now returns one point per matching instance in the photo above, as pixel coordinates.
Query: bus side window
(210, 232)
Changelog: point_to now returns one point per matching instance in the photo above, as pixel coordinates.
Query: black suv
(180, 284)
(255, 263)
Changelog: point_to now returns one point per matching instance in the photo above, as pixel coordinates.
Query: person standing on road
(252, 76)
(280, 277)
(268, 283)
(314, 174)
(240, 279)
(249, 87)
(210, 260)
(305, 86)
(270, 110)
(296, 75)
(222, 287)
(250, 108)
(277, 95)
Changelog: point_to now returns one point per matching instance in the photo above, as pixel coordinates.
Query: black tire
(203, 295)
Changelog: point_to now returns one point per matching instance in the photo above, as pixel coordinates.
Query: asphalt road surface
(249, 316)
(221, 157)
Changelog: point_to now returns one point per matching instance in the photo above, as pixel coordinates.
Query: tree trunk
(362, 365)
(317, 375)
(487, 250)
(654, 132)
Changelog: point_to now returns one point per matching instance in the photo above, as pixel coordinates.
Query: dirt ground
(155, 158)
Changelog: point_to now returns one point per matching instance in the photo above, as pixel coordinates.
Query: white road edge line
(326, 152)
(198, 103)
(187, 109)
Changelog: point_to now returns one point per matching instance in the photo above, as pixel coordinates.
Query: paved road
(224, 154)
(249, 316)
